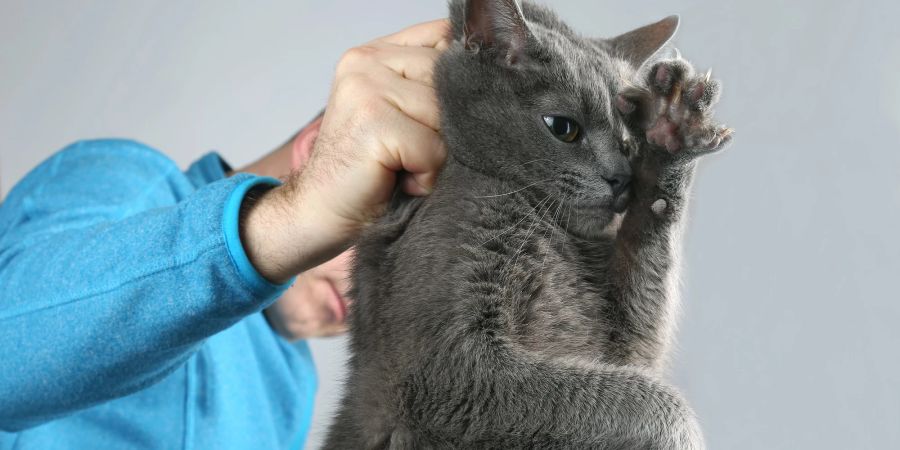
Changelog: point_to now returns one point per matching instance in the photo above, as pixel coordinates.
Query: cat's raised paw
(674, 110)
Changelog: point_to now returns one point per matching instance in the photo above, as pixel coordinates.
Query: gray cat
(517, 306)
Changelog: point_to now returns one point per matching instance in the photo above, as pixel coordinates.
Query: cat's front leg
(669, 117)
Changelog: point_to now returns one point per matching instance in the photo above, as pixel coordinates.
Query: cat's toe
(709, 139)
(673, 109)
(721, 140)
(701, 93)
(666, 77)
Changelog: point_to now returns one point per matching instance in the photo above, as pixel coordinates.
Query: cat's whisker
(513, 226)
(517, 190)
(565, 228)
(534, 224)
(515, 255)
(530, 162)
(551, 231)
(569, 215)
(538, 222)
(511, 165)
(546, 233)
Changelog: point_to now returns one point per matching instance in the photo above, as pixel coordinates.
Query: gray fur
(513, 308)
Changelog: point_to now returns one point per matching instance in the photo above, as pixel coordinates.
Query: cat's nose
(619, 183)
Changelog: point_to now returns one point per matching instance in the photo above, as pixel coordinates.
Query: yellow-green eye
(564, 128)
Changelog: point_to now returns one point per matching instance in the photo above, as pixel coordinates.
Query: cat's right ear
(492, 25)
(637, 46)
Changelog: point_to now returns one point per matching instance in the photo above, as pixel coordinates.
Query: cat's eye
(564, 128)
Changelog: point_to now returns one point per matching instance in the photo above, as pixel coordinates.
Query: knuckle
(356, 55)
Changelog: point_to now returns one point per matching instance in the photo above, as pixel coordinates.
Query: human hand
(380, 127)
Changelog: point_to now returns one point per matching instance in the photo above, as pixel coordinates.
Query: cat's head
(526, 99)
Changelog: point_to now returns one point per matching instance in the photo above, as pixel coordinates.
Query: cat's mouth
(591, 216)
(617, 205)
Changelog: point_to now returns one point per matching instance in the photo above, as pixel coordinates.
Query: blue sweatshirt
(130, 316)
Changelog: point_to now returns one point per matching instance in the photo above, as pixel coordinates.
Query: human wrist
(244, 187)
(287, 230)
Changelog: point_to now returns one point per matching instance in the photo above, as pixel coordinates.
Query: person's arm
(95, 306)
(380, 129)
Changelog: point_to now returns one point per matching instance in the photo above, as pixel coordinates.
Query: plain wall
(789, 337)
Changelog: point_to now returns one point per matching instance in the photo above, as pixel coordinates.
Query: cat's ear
(637, 46)
(497, 25)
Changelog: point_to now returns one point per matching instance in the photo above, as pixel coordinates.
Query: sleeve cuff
(231, 222)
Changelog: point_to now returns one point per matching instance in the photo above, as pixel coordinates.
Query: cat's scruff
(516, 306)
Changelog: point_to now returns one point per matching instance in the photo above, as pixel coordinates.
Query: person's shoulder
(124, 156)
(114, 173)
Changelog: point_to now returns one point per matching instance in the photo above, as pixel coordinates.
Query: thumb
(418, 184)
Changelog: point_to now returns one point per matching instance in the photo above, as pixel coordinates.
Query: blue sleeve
(96, 301)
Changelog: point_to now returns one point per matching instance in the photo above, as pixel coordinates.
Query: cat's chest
(532, 255)
(553, 286)
(564, 316)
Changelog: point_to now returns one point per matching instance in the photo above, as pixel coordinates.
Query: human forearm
(100, 311)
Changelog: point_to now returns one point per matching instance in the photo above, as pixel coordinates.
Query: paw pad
(659, 207)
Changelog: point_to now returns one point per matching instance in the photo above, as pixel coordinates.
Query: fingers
(383, 98)
(416, 149)
(432, 34)
(402, 75)
(416, 101)
(412, 63)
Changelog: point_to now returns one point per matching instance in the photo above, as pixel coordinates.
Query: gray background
(789, 338)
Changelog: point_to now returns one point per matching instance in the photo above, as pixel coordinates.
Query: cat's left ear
(637, 46)
(496, 25)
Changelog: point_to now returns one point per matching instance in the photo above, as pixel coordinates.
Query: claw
(629, 84)
(675, 99)
(708, 74)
